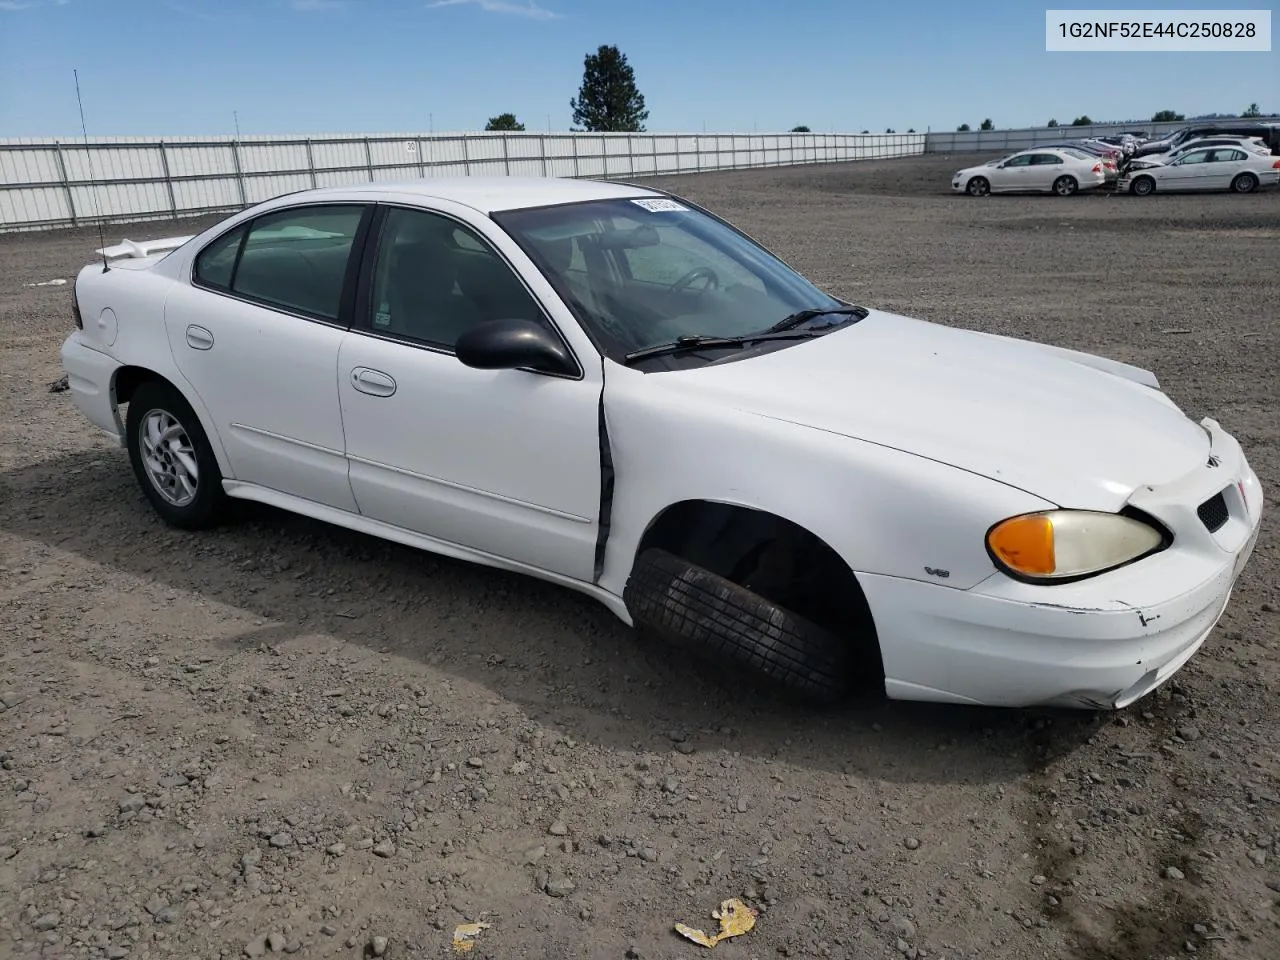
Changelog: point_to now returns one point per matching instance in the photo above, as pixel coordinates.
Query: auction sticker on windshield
(660, 205)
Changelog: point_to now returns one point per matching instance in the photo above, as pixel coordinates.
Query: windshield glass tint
(644, 273)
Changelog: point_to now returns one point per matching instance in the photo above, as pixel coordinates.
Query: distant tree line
(609, 101)
(1160, 116)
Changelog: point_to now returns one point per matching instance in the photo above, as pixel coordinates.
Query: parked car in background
(1110, 158)
(1213, 168)
(608, 387)
(1111, 149)
(1267, 131)
(1248, 144)
(1126, 142)
(1059, 170)
(1085, 146)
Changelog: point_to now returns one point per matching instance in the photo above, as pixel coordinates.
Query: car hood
(1077, 430)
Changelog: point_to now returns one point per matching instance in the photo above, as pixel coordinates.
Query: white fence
(981, 141)
(53, 183)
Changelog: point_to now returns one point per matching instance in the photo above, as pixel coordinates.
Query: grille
(1213, 512)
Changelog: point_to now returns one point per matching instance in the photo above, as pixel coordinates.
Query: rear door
(1226, 163)
(257, 332)
(1045, 168)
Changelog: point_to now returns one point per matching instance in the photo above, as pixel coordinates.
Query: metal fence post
(311, 164)
(422, 155)
(506, 155)
(631, 155)
(368, 158)
(577, 166)
(168, 180)
(466, 156)
(542, 151)
(239, 168)
(66, 181)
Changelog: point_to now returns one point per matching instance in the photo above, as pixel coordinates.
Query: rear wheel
(1065, 186)
(978, 187)
(1245, 183)
(172, 458)
(1142, 186)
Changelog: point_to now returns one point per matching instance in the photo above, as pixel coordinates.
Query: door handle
(373, 382)
(198, 338)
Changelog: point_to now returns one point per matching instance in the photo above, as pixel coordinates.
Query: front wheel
(172, 458)
(978, 187)
(1065, 186)
(1245, 183)
(1142, 187)
(716, 619)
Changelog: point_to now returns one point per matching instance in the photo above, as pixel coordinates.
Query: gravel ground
(282, 737)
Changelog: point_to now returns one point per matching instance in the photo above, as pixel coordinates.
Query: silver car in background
(1213, 168)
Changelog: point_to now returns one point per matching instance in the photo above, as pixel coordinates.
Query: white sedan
(1215, 168)
(613, 389)
(1060, 170)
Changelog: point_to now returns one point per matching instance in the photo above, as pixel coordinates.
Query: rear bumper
(91, 380)
(1101, 643)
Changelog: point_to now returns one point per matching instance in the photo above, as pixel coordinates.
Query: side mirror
(512, 344)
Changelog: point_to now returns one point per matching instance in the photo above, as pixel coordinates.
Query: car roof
(487, 194)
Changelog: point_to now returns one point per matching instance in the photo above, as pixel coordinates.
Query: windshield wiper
(699, 341)
(804, 316)
(784, 329)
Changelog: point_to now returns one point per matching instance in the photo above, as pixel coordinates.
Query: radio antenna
(93, 180)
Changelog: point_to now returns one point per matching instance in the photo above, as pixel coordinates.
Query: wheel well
(128, 379)
(771, 556)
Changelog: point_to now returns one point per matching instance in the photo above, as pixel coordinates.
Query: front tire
(1245, 183)
(978, 187)
(716, 619)
(1065, 186)
(172, 458)
(1142, 187)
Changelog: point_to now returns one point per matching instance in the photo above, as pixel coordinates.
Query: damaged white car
(608, 387)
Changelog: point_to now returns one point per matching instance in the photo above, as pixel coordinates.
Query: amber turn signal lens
(1025, 544)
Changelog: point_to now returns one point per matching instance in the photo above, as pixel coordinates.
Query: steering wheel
(705, 273)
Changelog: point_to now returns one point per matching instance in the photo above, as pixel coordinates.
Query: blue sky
(185, 67)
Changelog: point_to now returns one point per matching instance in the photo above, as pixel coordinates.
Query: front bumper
(1101, 643)
(91, 380)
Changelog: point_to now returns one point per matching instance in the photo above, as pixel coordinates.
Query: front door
(1188, 172)
(257, 333)
(506, 462)
(1014, 176)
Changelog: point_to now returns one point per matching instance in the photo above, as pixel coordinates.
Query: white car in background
(1060, 170)
(610, 388)
(1212, 168)
(1248, 144)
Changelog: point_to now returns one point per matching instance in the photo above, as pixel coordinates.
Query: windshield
(648, 271)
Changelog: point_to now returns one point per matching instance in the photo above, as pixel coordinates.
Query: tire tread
(692, 606)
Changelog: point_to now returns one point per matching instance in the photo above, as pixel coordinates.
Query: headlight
(1060, 545)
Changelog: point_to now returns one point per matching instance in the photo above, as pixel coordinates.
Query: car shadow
(560, 655)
